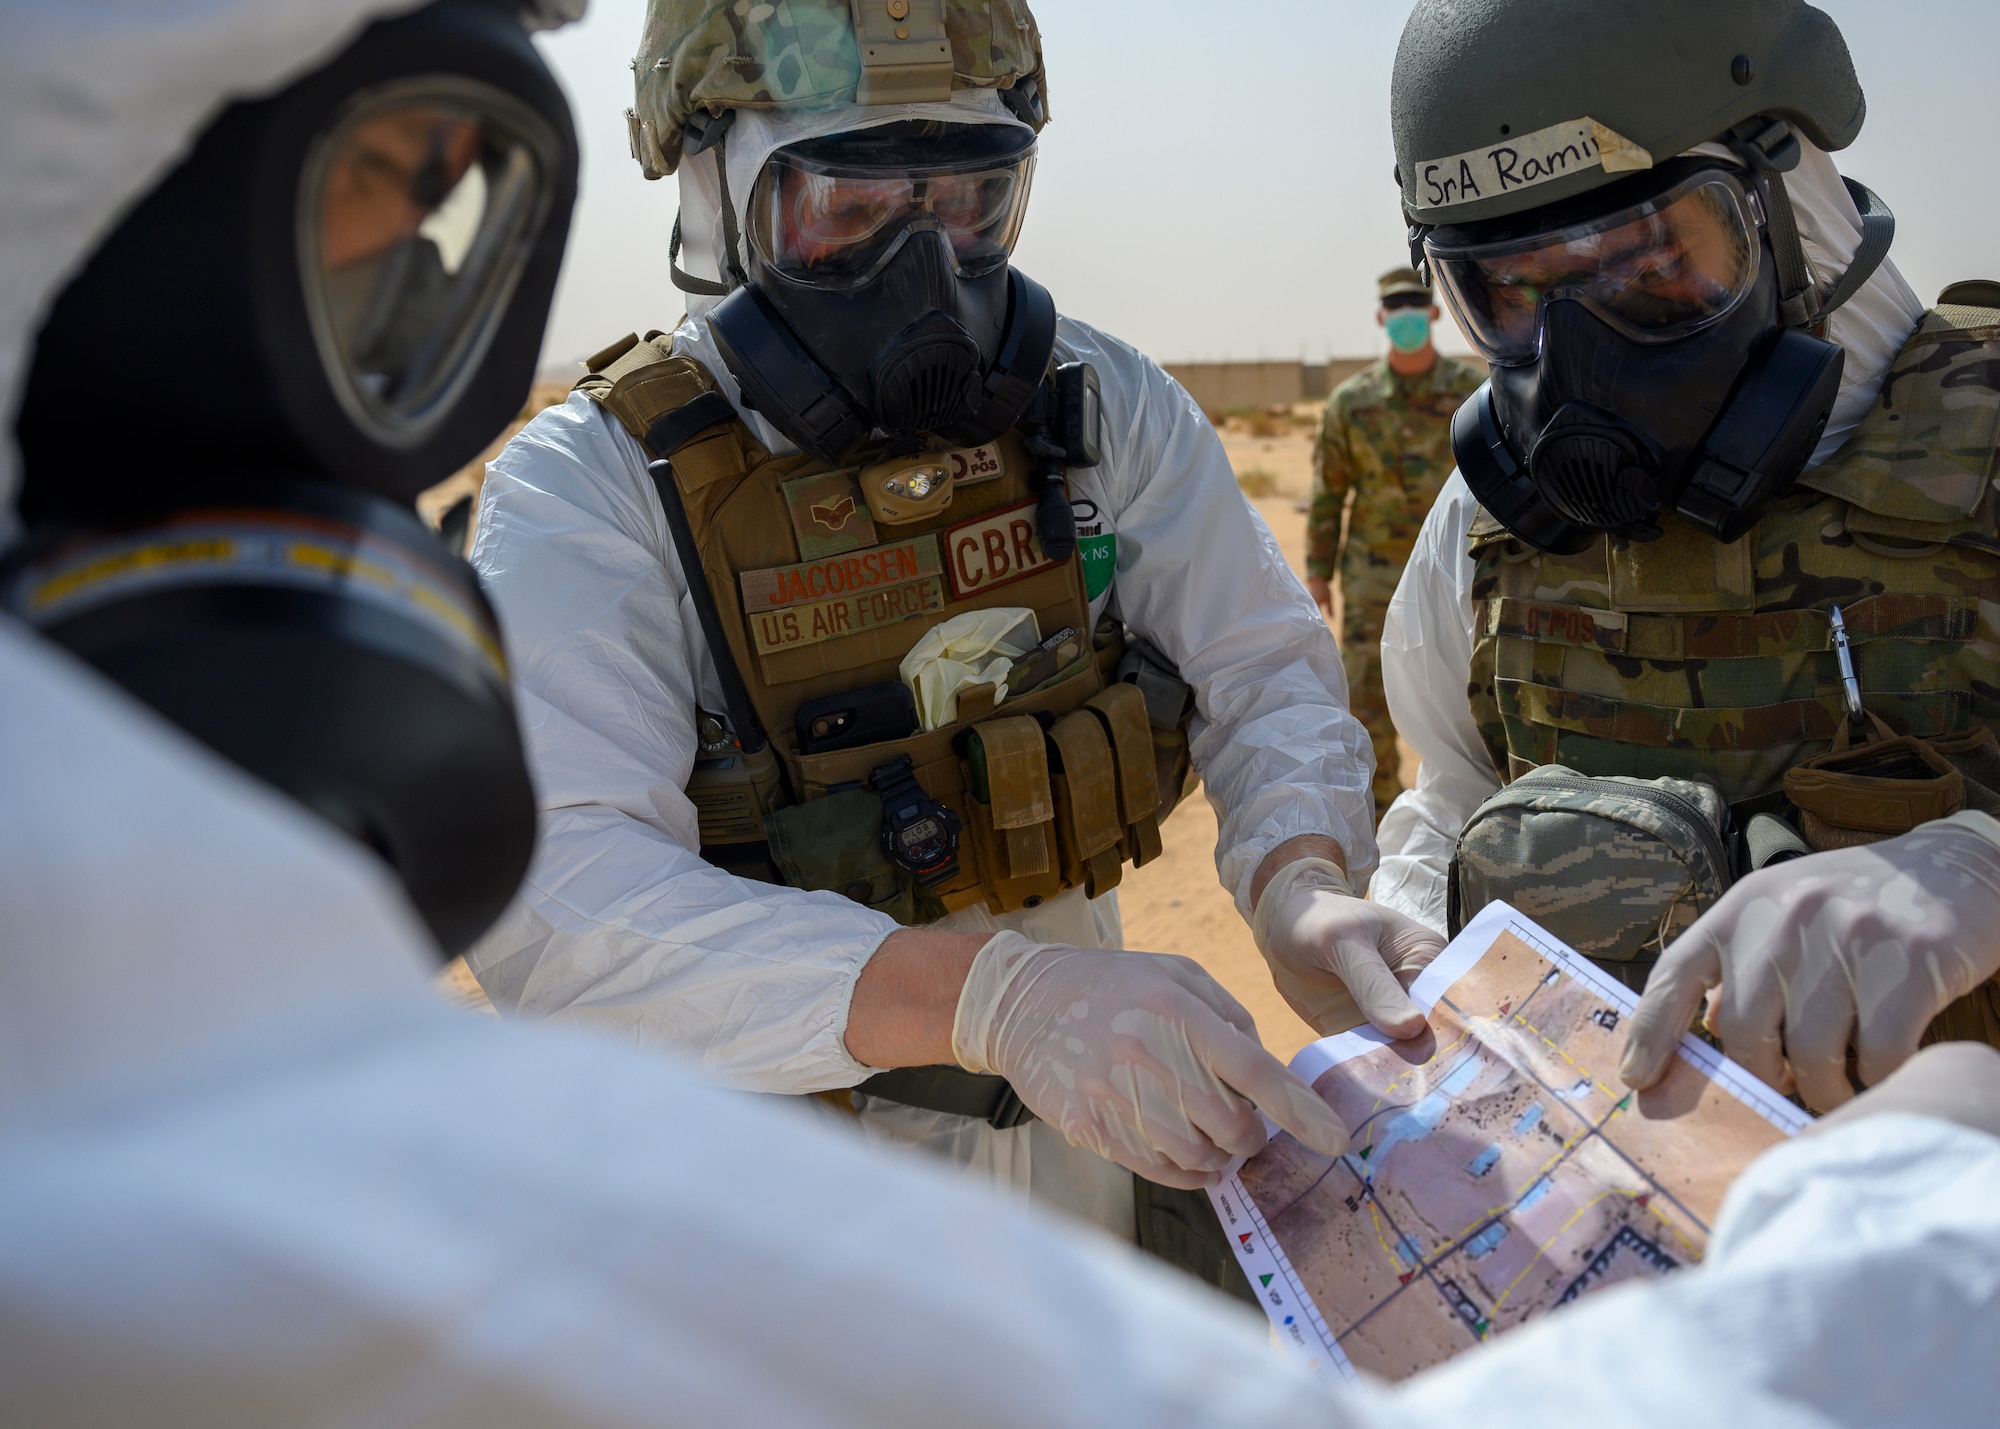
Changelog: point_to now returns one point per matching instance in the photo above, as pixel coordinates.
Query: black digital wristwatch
(918, 833)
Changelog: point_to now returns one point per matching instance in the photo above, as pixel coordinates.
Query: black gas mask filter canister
(333, 303)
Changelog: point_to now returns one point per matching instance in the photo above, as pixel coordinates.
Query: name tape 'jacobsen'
(994, 550)
(1537, 158)
(892, 563)
(820, 600)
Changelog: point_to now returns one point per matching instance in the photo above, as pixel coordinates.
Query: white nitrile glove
(1141, 1057)
(1338, 960)
(1952, 1081)
(1863, 945)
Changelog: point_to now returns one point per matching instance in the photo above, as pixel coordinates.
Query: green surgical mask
(1408, 328)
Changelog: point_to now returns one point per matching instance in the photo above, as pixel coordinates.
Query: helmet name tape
(1537, 158)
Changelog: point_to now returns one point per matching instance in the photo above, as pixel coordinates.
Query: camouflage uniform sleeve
(1333, 475)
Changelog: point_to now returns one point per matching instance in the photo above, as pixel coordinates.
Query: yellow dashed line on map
(1389, 1251)
(1543, 1249)
(1547, 1166)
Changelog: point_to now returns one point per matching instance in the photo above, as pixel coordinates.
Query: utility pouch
(1976, 755)
(835, 844)
(1615, 867)
(1084, 777)
(1860, 794)
(1011, 811)
(734, 796)
(1123, 711)
(1169, 706)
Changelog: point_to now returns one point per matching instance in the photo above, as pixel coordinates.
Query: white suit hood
(98, 101)
(756, 134)
(1872, 325)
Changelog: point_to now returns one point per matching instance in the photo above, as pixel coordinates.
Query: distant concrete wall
(1221, 386)
(1218, 386)
(1322, 379)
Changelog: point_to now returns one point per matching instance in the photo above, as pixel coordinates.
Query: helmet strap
(1878, 231)
(732, 265)
(1771, 149)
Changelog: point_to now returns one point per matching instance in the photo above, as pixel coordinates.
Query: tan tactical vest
(815, 597)
(1687, 658)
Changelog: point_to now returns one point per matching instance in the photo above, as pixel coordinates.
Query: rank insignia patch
(828, 515)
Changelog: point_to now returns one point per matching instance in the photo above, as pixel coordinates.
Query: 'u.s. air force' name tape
(1537, 158)
(790, 606)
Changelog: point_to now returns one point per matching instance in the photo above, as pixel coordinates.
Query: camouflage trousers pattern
(1361, 654)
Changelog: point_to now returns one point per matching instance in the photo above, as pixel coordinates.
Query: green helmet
(705, 57)
(1504, 105)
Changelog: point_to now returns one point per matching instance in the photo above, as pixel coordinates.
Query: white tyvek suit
(250, 1172)
(621, 924)
(1427, 638)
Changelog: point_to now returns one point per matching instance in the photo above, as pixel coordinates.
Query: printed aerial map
(1498, 1168)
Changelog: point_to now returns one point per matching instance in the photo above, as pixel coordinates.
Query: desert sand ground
(1175, 904)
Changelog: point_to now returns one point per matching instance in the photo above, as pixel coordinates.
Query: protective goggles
(833, 212)
(418, 212)
(1656, 269)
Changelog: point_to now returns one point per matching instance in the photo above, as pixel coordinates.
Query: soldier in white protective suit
(252, 1172)
(878, 429)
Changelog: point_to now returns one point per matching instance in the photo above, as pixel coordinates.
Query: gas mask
(1640, 363)
(333, 303)
(879, 296)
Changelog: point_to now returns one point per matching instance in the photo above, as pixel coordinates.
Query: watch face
(923, 844)
(918, 834)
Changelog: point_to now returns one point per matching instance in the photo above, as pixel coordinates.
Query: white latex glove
(1952, 1081)
(1339, 960)
(1141, 1057)
(1863, 945)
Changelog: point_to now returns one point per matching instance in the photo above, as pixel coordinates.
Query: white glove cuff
(993, 971)
(1985, 825)
(1299, 873)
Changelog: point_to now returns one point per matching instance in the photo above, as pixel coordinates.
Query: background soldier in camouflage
(1385, 439)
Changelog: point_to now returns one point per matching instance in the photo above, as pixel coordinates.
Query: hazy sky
(1217, 179)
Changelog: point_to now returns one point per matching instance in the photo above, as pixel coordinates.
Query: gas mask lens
(1656, 270)
(833, 212)
(418, 213)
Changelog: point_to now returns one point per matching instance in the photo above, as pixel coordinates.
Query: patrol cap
(713, 56)
(1402, 282)
(1498, 106)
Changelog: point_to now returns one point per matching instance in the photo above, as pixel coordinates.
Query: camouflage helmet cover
(1498, 106)
(718, 55)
